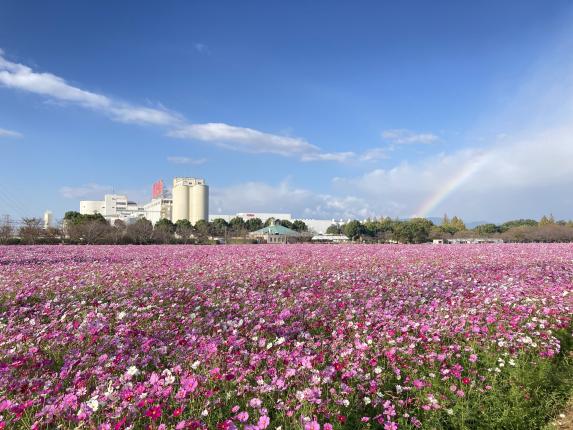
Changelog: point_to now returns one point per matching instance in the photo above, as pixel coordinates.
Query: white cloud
(515, 178)
(201, 48)
(374, 154)
(10, 133)
(329, 156)
(282, 197)
(245, 139)
(21, 77)
(186, 160)
(88, 190)
(400, 136)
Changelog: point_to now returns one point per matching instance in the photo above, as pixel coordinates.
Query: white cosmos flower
(93, 404)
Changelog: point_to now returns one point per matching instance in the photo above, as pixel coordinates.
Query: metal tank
(180, 202)
(198, 203)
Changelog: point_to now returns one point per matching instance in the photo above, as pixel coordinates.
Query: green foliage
(452, 226)
(353, 229)
(525, 396)
(254, 224)
(517, 223)
(218, 227)
(547, 220)
(334, 229)
(183, 223)
(166, 225)
(299, 226)
(202, 225)
(286, 223)
(415, 230)
(237, 223)
(184, 230)
(75, 218)
(486, 229)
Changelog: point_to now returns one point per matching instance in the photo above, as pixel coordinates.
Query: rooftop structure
(275, 233)
(471, 240)
(330, 238)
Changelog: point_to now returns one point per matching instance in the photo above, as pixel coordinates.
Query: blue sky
(322, 109)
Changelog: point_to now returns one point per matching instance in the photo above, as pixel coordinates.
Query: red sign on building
(157, 190)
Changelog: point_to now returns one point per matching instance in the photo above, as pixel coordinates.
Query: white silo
(180, 201)
(198, 203)
(48, 219)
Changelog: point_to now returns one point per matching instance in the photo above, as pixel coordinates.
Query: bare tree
(117, 232)
(94, 231)
(31, 230)
(140, 231)
(6, 229)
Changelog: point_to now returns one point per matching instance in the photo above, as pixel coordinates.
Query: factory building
(190, 200)
(158, 209)
(113, 207)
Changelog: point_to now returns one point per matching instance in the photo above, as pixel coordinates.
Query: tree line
(95, 229)
(421, 230)
(77, 228)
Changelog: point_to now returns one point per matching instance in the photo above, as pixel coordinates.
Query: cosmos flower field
(284, 337)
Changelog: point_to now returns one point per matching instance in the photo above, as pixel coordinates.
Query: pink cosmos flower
(154, 412)
(189, 384)
(263, 422)
(243, 416)
(255, 403)
(313, 425)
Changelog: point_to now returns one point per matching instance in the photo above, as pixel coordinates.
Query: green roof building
(275, 233)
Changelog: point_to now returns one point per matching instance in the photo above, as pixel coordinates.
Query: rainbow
(451, 185)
